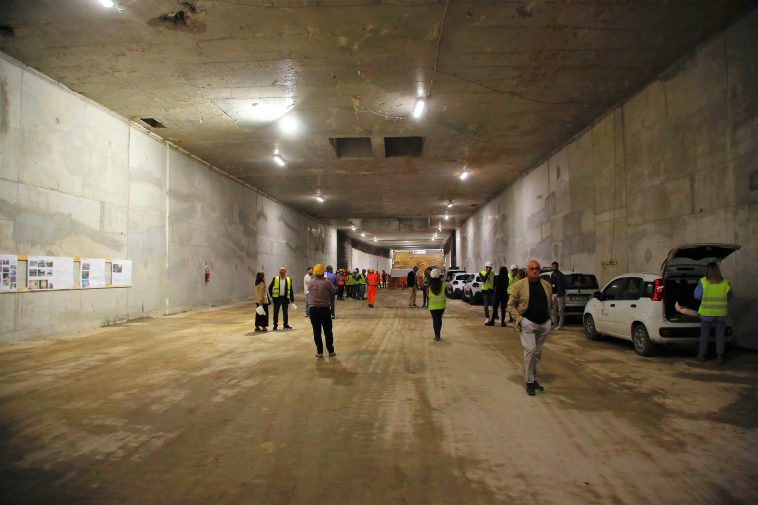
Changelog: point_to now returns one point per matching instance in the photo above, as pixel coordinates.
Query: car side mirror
(597, 295)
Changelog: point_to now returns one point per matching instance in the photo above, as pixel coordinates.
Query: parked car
(640, 307)
(452, 271)
(454, 288)
(579, 290)
(472, 290)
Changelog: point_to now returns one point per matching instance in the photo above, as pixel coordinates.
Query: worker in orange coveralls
(372, 279)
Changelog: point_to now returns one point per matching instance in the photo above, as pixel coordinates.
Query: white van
(640, 307)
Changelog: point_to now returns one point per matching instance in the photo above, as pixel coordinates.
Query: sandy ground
(198, 409)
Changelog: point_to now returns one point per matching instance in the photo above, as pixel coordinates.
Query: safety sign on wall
(9, 272)
(50, 272)
(121, 273)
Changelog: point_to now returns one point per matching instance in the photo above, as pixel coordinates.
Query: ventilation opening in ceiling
(151, 122)
(403, 146)
(352, 147)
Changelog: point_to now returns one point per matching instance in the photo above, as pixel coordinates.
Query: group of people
(360, 284)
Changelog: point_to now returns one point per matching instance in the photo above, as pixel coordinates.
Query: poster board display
(421, 258)
(50, 272)
(8, 272)
(121, 273)
(92, 273)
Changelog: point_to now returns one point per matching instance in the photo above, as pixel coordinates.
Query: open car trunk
(682, 290)
(682, 270)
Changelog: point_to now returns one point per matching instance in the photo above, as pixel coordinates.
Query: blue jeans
(719, 323)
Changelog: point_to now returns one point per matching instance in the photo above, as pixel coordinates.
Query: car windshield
(581, 281)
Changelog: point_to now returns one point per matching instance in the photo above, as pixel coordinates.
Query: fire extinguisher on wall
(207, 273)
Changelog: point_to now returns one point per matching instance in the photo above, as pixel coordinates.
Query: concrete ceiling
(513, 81)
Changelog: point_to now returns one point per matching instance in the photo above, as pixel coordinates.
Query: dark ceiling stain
(181, 20)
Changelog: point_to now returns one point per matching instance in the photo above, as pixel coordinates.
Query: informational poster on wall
(92, 273)
(121, 273)
(9, 272)
(50, 272)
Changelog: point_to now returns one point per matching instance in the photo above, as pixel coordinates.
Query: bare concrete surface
(198, 409)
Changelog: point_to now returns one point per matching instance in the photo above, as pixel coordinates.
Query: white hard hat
(488, 264)
(514, 267)
(435, 274)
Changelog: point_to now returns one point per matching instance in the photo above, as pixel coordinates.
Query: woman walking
(437, 301)
(261, 300)
(714, 292)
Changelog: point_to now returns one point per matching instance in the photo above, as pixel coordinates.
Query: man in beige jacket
(530, 305)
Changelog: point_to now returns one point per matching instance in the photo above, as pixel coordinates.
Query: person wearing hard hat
(372, 280)
(487, 278)
(437, 301)
(321, 290)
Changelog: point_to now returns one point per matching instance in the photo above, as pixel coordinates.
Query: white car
(472, 290)
(640, 307)
(454, 288)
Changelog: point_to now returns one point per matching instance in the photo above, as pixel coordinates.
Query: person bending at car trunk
(530, 305)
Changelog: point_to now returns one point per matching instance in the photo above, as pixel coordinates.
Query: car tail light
(657, 290)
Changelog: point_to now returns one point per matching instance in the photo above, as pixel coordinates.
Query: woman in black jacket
(501, 297)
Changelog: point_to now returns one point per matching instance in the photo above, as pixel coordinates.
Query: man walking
(373, 282)
(425, 287)
(487, 278)
(280, 290)
(530, 305)
(558, 284)
(411, 282)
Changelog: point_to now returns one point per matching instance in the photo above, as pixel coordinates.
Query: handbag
(260, 310)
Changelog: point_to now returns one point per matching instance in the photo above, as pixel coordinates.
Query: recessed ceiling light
(106, 3)
(463, 175)
(289, 125)
(447, 216)
(374, 239)
(320, 199)
(363, 234)
(353, 228)
(280, 161)
(418, 109)
(450, 204)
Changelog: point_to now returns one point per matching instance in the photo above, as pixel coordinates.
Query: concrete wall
(677, 163)
(365, 260)
(78, 180)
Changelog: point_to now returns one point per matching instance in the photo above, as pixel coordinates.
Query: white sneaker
(486, 320)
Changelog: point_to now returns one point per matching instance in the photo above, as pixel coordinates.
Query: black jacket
(411, 281)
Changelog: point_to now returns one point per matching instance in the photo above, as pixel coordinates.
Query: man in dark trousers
(411, 282)
(322, 296)
(530, 305)
(558, 283)
(281, 292)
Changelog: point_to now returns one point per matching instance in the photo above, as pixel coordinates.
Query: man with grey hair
(530, 305)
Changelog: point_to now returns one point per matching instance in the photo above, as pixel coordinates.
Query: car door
(626, 308)
(607, 321)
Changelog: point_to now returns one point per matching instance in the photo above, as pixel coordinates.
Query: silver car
(579, 290)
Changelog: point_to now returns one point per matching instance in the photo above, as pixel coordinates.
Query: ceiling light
(447, 217)
(106, 3)
(463, 175)
(418, 110)
(320, 199)
(450, 204)
(374, 239)
(280, 161)
(363, 234)
(289, 125)
(353, 228)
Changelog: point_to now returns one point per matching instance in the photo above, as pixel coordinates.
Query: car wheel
(642, 344)
(590, 331)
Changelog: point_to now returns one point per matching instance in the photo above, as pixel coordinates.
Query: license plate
(579, 298)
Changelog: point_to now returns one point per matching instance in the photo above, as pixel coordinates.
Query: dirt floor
(198, 409)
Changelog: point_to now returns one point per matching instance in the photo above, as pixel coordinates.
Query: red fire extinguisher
(207, 273)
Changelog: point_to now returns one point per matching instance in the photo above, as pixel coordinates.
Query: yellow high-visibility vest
(714, 302)
(490, 282)
(439, 301)
(288, 292)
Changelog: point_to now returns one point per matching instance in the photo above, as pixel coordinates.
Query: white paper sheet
(50, 272)
(8, 272)
(121, 273)
(92, 273)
